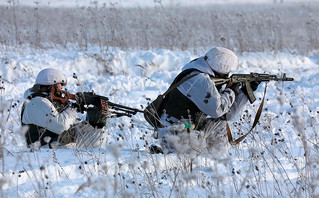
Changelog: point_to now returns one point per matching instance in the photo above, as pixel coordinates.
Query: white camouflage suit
(220, 104)
(50, 122)
(41, 112)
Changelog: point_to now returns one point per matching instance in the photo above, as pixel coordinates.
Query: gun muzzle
(284, 78)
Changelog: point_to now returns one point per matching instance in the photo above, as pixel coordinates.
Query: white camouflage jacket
(41, 112)
(205, 95)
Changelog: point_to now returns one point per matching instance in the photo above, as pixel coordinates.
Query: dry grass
(243, 28)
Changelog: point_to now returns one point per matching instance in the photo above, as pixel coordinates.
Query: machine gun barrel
(107, 106)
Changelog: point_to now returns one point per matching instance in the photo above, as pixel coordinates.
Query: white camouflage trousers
(84, 135)
(212, 137)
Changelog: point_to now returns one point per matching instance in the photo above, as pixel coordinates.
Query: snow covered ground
(270, 163)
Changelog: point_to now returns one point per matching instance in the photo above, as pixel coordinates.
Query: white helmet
(50, 76)
(221, 60)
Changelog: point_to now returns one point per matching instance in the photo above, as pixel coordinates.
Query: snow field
(270, 162)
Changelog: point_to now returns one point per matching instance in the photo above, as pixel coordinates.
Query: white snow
(125, 167)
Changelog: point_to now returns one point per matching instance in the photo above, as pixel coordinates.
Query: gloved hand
(80, 102)
(235, 87)
(254, 85)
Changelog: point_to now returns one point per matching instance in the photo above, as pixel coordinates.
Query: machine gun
(108, 108)
(246, 79)
(98, 108)
(89, 101)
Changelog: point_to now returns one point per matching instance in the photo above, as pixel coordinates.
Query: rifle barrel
(250, 77)
(283, 78)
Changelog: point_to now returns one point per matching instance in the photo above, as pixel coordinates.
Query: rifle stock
(246, 79)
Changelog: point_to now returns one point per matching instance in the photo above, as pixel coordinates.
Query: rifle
(246, 79)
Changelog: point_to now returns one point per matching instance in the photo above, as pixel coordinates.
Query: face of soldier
(60, 86)
(219, 75)
(58, 89)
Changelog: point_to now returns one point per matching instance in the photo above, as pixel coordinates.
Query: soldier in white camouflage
(198, 102)
(53, 122)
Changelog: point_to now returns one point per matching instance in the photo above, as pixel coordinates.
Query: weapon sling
(154, 110)
(238, 140)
